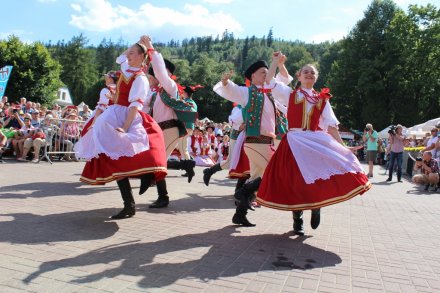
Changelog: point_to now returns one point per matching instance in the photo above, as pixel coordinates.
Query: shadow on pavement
(194, 202)
(227, 255)
(27, 228)
(47, 189)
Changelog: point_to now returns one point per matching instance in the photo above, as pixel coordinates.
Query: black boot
(162, 200)
(239, 217)
(173, 164)
(127, 196)
(145, 182)
(240, 183)
(188, 166)
(208, 172)
(246, 193)
(298, 227)
(316, 218)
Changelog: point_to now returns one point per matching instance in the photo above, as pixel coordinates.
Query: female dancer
(125, 142)
(311, 167)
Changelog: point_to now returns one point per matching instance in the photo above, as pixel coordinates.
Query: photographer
(429, 171)
(396, 140)
(13, 120)
(370, 137)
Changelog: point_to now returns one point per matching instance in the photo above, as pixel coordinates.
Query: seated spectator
(429, 171)
(35, 121)
(27, 109)
(204, 152)
(37, 140)
(223, 149)
(20, 137)
(13, 119)
(85, 113)
(3, 141)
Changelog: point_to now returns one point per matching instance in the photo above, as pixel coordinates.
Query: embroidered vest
(297, 112)
(185, 111)
(193, 142)
(123, 88)
(254, 109)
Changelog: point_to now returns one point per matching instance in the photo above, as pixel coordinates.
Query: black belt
(259, 139)
(168, 124)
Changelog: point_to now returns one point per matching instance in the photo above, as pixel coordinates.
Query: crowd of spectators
(26, 127)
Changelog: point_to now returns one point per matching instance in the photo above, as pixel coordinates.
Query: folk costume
(114, 155)
(204, 153)
(262, 120)
(310, 169)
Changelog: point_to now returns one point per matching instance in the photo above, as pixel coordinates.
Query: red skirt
(243, 168)
(101, 170)
(284, 188)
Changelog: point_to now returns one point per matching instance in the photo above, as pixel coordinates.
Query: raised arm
(230, 91)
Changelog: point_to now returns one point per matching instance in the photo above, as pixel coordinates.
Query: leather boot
(127, 196)
(298, 227)
(208, 172)
(173, 165)
(188, 166)
(239, 217)
(316, 218)
(145, 182)
(240, 183)
(246, 193)
(162, 200)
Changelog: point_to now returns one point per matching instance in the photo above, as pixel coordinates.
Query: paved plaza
(55, 236)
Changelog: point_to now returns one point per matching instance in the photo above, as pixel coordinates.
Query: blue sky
(305, 20)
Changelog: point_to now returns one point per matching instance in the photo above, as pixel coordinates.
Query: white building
(63, 97)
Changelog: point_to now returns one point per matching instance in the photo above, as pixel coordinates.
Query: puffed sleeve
(161, 73)
(328, 118)
(280, 91)
(138, 92)
(281, 78)
(122, 61)
(233, 92)
(236, 118)
(103, 100)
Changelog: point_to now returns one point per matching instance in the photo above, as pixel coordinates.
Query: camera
(419, 159)
(367, 129)
(392, 130)
(15, 111)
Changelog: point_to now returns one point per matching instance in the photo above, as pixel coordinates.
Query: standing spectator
(370, 137)
(396, 152)
(27, 109)
(432, 140)
(429, 171)
(380, 152)
(4, 99)
(22, 103)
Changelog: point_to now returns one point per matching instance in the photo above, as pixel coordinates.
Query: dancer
(261, 117)
(311, 168)
(169, 111)
(124, 141)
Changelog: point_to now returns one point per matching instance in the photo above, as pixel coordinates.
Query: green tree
(79, 71)
(35, 74)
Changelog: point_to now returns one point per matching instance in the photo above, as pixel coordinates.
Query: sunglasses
(26, 119)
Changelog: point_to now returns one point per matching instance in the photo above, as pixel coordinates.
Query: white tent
(420, 130)
(383, 134)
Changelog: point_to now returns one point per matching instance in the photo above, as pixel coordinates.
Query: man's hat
(168, 64)
(191, 89)
(254, 67)
(210, 126)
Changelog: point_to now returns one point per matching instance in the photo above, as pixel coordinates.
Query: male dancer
(261, 117)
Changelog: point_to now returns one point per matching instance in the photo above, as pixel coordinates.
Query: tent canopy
(420, 130)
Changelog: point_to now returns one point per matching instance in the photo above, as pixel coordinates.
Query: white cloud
(193, 20)
(218, 1)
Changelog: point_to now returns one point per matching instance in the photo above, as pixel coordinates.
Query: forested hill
(386, 70)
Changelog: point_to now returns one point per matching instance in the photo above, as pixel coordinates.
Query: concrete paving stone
(62, 235)
(272, 288)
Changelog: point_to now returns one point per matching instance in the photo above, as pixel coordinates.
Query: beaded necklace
(314, 99)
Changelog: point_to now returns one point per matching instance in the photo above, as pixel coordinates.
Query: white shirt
(162, 112)
(140, 87)
(236, 118)
(432, 140)
(240, 95)
(282, 93)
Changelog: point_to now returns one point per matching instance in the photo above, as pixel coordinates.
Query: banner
(5, 72)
